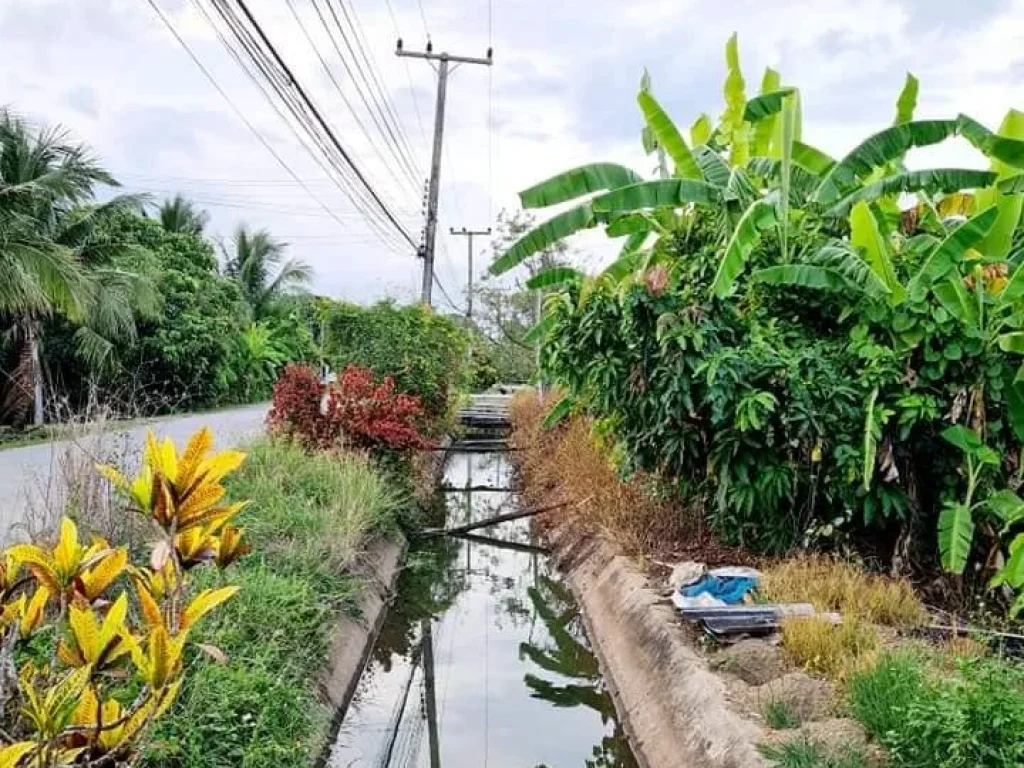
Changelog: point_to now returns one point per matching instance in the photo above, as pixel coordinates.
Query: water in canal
(482, 662)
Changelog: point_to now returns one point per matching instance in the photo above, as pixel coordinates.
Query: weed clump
(833, 650)
(808, 753)
(833, 585)
(779, 716)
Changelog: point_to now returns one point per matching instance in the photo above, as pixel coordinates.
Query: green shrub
(424, 352)
(311, 514)
(786, 338)
(925, 714)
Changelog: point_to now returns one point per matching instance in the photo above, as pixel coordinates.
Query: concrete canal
(482, 660)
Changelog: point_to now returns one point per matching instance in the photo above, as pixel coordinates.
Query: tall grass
(833, 585)
(310, 517)
(568, 463)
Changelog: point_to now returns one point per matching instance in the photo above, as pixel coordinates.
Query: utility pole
(469, 234)
(443, 70)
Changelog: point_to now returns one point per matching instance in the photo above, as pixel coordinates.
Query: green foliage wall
(424, 352)
(789, 337)
(202, 350)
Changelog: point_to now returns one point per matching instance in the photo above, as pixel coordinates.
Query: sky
(561, 92)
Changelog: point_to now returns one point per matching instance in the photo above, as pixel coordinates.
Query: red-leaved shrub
(356, 411)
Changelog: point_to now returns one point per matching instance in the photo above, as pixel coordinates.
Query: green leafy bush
(422, 351)
(788, 344)
(968, 717)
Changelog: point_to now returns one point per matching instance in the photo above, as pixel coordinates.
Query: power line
(381, 99)
(348, 159)
(359, 80)
(408, 74)
(337, 86)
(448, 299)
(374, 70)
(280, 81)
(423, 17)
(375, 222)
(238, 112)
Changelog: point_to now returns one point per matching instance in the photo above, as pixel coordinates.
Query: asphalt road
(30, 475)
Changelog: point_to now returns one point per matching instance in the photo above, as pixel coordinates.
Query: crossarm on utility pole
(434, 186)
(469, 234)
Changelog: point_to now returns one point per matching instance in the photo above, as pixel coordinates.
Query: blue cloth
(729, 589)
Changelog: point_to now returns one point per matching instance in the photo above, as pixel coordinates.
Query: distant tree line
(119, 303)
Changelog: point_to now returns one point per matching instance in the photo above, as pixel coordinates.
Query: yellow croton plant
(91, 645)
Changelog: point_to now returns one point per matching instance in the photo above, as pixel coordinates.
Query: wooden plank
(483, 488)
(459, 529)
(515, 546)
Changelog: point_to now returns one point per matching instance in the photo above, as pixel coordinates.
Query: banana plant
(957, 519)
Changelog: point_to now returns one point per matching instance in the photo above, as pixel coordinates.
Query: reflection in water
(482, 660)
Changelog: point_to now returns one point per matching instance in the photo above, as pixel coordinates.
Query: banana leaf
(553, 277)
(843, 258)
(712, 165)
(812, 160)
(596, 177)
(633, 242)
(627, 263)
(955, 299)
(1010, 203)
(879, 149)
(758, 217)
(945, 255)
(629, 224)
(655, 194)
(956, 535)
(866, 236)
(907, 101)
(736, 130)
(557, 414)
(668, 137)
(765, 127)
(545, 235)
(801, 182)
(1006, 146)
(931, 180)
(701, 130)
(539, 330)
(1014, 288)
(739, 188)
(805, 276)
(1013, 185)
(765, 105)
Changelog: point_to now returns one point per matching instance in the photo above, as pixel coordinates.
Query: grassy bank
(310, 518)
(952, 705)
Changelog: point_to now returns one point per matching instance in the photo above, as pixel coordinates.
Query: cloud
(83, 99)
(561, 92)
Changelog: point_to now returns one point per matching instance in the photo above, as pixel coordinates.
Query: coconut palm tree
(49, 263)
(257, 262)
(181, 215)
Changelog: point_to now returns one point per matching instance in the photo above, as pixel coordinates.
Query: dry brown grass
(566, 463)
(833, 650)
(833, 585)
